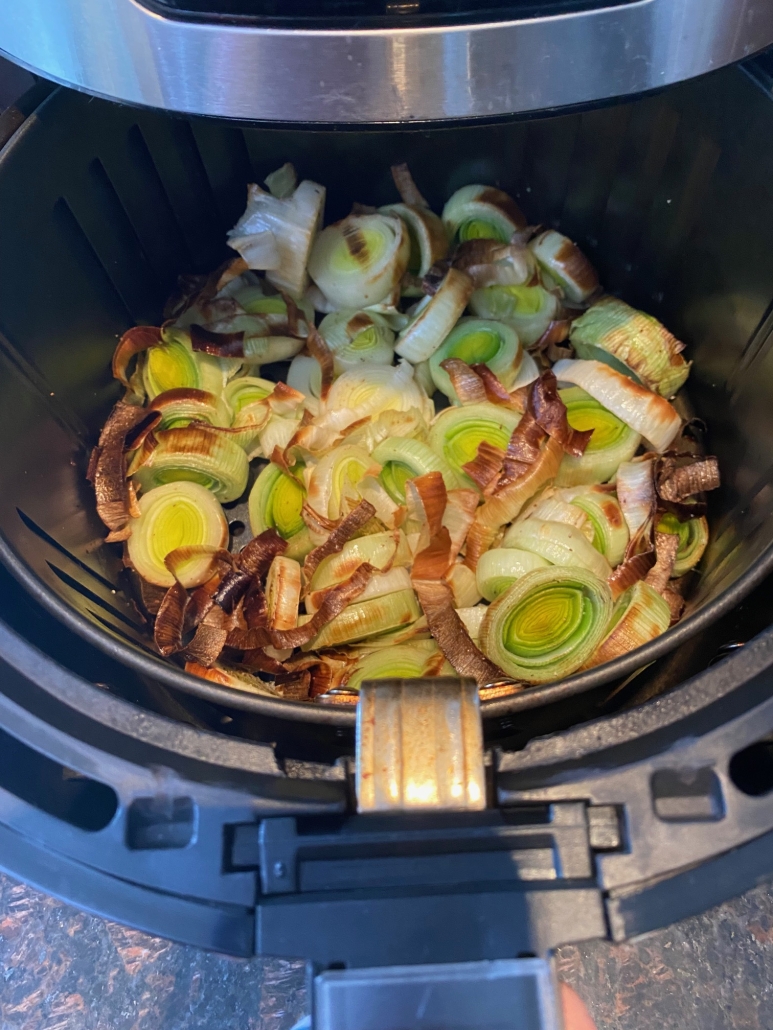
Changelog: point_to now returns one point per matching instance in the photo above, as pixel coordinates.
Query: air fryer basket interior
(103, 206)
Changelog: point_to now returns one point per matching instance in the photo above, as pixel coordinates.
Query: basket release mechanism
(420, 746)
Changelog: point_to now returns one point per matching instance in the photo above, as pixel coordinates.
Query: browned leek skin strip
(629, 571)
(549, 412)
(168, 630)
(348, 526)
(107, 468)
(134, 341)
(467, 383)
(506, 503)
(666, 547)
(337, 598)
(210, 636)
(221, 345)
(495, 391)
(406, 187)
(318, 349)
(485, 468)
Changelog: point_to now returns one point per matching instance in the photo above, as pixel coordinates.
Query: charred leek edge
(636, 340)
(435, 320)
(305, 375)
(275, 502)
(478, 341)
(356, 338)
(405, 661)
(403, 459)
(610, 530)
(335, 476)
(365, 619)
(366, 392)
(172, 516)
(378, 585)
(463, 585)
(360, 260)
(283, 593)
(547, 624)
(481, 213)
(639, 615)
(528, 309)
(558, 543)
(566, 264)
(381, 550)
(428, 238)
(612, 442)
(277, 234)
(174, 364)
(196, 455)
(693, 539)
(644, 411)
(500, 567)
(180, 407)
(472, 618)
(457, 432)
(247, 390)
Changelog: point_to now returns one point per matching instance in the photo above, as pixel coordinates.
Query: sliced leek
(381, 550)
(196, 455)
(637, 340)
(693, 539)
(379, 584)
(335, 478)
(472, 619)
(360, 260)
(403, 459)
(365, 619)
(547, 624)
(640, 615)
(410, 661)
(356, 338)
(276, 502)
(367, 392)
(428, 237)
(566, 265)
(610, 530)
(528, 309)
(173, 364)
(478, 341)
(246, 390)
(612, 442)
(305, 375)
(644, 411)
(500, 567)
(463, 585)
(181, 406)
(174, 516)
(435, 320)
(482, 213)
(283, 593)
(457, 432)
(558, 543)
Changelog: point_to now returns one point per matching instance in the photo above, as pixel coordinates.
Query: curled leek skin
(335, 477)
(693, 538)
(356, 338)
(365, 619)
(377, 586)
(558, 543)
(605, 516)
(182, 406)
(245, 390)
(500, 567)
(428, 237)
(639, 615)
(547, 624)
(613, 329)
(566, 265)
(478, 341)
(172, 516)
(482, 213)
(196, 455)
(360, 260)
(276, 502)
(410, 661)
(402, 459)
(305, 375)
(528, 309)
(612, 443)
(435, 319)
(457, 432)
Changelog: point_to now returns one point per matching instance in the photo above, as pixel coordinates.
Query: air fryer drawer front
(374, 63)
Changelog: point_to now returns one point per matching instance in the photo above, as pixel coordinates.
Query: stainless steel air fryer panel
(264, 69)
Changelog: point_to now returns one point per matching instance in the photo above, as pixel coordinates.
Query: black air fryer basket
(224, 819)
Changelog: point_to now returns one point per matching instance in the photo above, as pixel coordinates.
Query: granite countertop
(61, 969)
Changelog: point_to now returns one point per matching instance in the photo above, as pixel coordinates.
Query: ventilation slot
(33, 527)
(91, 596)
(751, 770)
(160, 823)
(53, 788)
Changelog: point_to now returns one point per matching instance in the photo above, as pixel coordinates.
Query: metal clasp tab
(420, 746)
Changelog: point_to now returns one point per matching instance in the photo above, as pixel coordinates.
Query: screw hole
(751, 769)
(237, 527)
